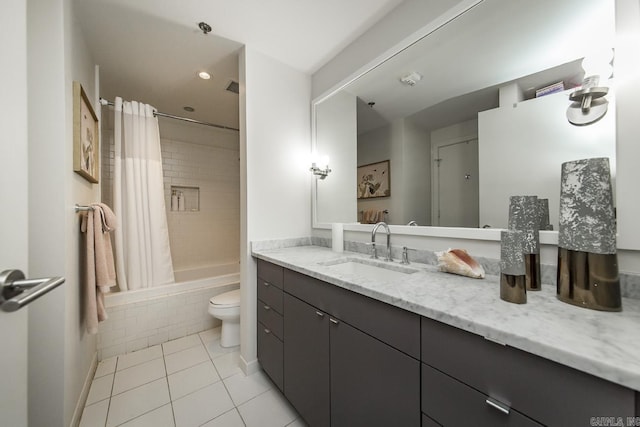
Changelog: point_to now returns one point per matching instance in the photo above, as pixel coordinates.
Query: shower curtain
(143, 254)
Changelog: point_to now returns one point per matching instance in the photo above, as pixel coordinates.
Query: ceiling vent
(233, 86)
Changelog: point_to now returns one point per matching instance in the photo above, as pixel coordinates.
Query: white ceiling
(151, 50)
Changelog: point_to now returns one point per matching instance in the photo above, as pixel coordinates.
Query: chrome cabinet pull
(267, 283)
(16, 291)
(334, 321)
(266, 307)
(499, 406)
(267, 331)
(320, 314)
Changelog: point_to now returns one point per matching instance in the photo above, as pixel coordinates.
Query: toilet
(226, 307)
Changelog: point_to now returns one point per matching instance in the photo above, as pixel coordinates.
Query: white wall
(275, 122)
(417, 174)
(61, 355)
(515, 142)
(14, 190)
(336, 136)
(407, 148)
(627, 73)
(373, 147)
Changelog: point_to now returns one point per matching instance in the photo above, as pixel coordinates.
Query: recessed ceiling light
(189, 109)
(204, 75)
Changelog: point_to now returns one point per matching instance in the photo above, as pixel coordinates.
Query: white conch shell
(458, 261)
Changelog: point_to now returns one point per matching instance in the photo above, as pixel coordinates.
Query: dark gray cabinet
(453, 403)
(343, 359)
(336, 374)
(475, 369)
(306, 355)
(270, 321)
(372, 383)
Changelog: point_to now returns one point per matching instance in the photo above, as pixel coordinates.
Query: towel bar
(80, 208)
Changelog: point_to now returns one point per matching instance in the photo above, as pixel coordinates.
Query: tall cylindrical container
(587, 258)
(524, 215)
(337, 237)
(513, 287)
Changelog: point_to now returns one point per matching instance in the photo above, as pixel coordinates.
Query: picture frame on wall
(374, 180)
(86, 136)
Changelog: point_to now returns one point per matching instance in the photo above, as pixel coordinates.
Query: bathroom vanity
(351, 346)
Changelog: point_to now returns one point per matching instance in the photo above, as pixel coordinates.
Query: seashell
(458, 261)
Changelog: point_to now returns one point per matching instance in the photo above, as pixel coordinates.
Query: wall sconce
(589, 103)
(317, 171)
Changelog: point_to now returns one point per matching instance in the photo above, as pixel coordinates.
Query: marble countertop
(603, 344)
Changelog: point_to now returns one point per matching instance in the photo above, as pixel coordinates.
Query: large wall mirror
(459, 119)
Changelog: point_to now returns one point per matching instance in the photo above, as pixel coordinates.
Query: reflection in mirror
(457, 116)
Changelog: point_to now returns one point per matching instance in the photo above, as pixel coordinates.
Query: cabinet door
(306, 360)
(372, 384)
(270, 354)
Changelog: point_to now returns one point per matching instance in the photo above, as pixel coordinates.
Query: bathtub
(185, 281)
(147, 317)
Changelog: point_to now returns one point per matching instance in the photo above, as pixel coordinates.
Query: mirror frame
(546, 237)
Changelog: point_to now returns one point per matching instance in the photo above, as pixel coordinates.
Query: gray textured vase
(543, 215)
(512, 267)
(524, 215)
(587, 260)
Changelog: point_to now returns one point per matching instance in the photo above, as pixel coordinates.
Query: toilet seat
(227, 299)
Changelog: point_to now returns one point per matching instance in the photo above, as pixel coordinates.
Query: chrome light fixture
(318, 171)
(589, 103)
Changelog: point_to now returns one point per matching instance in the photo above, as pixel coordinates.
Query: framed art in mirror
(374, 180)
(86, 136)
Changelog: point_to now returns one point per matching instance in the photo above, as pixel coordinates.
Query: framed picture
(86, 136)
(374, 180)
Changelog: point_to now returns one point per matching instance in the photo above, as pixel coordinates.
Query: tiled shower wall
(194, 156)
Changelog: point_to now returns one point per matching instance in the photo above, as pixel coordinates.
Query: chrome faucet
(373, 240)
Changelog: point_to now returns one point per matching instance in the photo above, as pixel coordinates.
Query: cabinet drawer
(451, 403)
(270, 355)
(271, 319)
(270, 294)
(551, 393)
(392, 325)
(270, 272)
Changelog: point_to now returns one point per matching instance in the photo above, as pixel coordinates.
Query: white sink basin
(372, 269)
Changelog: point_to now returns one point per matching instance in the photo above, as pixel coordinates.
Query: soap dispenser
(174, 200)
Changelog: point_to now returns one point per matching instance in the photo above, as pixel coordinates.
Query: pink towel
(100, 273)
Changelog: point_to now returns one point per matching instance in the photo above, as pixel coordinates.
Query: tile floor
(191, 381)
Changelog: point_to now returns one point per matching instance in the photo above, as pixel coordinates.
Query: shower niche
(185, 199)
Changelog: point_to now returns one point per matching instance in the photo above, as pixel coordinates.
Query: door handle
(16, 291)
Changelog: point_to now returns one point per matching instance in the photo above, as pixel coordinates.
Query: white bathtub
(186, 281)
(147, 317)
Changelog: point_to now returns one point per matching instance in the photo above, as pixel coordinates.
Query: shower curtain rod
(171, 116)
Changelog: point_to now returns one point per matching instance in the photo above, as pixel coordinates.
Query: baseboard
(249, 367)
(82, 399)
